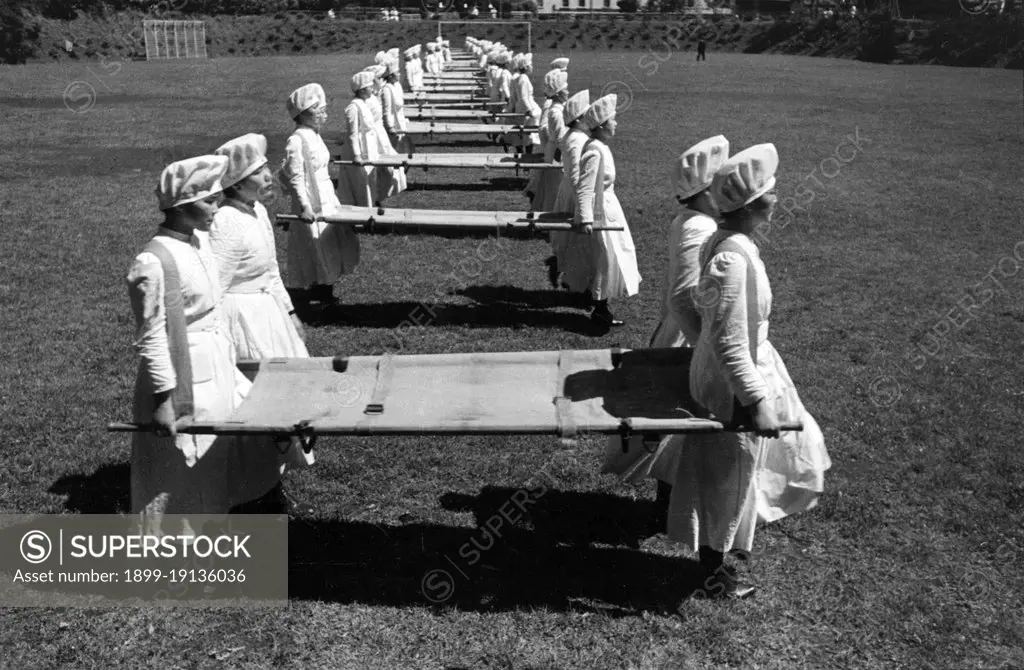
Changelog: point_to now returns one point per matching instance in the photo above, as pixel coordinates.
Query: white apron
(724, 482)
(186, 474)
(615, 269)
(318, 253)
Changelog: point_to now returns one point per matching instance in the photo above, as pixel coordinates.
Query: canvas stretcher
(466, 160)
(493, 105)
(383, 219)
(442, 97)
(443, 128)
(560, 393)
(479, 115)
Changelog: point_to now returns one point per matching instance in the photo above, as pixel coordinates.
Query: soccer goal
(468, 29)
(175, 39)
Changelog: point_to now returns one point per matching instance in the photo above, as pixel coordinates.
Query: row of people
(715, 487)
(206, 292)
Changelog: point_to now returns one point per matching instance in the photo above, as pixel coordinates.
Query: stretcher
(486, 161)
(481, 115)
(475, 105)
(559, 393)
(436, 98)
(384, 219)
(455, 76)
(435, 128)
(453, 88)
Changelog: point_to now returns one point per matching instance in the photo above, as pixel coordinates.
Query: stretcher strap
(563, 405)
(385, 372)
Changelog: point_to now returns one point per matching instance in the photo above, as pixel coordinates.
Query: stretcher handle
(552, 225)
(185, 424)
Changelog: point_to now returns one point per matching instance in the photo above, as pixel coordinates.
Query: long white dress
(493, 83)
(255, 307)
(614, 255)
(256, 304)
(186, 474)
(572, 250)
(357, 184)
(679, 327)
(521, 101)
(395, 123)
(390, 181)
(318, 253)
(680, 320)
(725, 481)
(544, 184)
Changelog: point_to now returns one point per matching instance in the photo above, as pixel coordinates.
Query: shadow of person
(393, 314)
(650, 383)
(493, 184)
(510, 296)
(105, 491)
(560, 516)
(489, 568)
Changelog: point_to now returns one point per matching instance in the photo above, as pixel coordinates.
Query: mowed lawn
(898, 308)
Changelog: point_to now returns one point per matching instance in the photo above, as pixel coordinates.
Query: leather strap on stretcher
(563, 405)
(385, 373)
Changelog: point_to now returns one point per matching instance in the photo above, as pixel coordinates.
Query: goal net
(175, 39)
(457, 31)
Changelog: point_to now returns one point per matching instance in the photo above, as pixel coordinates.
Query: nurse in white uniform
(258, 312)
(187, 361)
(726, 481)
(318, 253)
(691, 176)
(615, 268)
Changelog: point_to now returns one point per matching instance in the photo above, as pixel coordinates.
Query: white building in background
(555, 6)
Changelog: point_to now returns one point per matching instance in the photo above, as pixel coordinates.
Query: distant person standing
(492, 10)
(702, 50)
(474, 12)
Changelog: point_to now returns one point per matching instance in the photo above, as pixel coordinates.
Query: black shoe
(552, 264)
(604, 319)
(300, 298)
(323, 294)
(724, 586)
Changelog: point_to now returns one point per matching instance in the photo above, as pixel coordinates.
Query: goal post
(174, 39)
(470, 24)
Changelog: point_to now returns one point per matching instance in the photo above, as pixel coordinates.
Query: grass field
(898, 309)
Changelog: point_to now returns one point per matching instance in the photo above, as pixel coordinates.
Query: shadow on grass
(445, 140)
(513, 296)
(531, 548)
(493, 184)
(393, 314)
(106, 491)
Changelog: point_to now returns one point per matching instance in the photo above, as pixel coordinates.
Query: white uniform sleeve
(146, 292)
(354, 123)
(586, 186)
(685, 261)
(277, 288)
(226, 244)
(728, 327)
(388, 103)
(297, 170)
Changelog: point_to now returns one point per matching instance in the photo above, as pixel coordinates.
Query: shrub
(17, 35)
(879, 39)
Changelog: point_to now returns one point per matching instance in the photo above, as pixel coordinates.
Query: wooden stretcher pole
(288, 219)
(635, 426)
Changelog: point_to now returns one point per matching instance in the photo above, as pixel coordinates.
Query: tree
(17, 35)
(628, 6)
